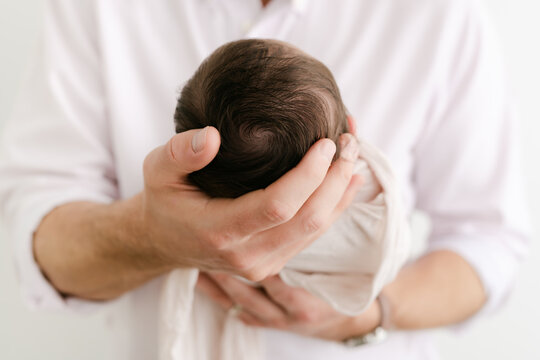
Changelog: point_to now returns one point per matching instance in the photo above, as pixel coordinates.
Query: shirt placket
(275, 22)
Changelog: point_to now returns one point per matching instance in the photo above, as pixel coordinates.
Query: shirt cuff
(36, 290)
(495, 259)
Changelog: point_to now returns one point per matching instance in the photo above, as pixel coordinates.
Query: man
(422, 79)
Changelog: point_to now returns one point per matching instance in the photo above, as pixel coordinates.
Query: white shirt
(422, 78)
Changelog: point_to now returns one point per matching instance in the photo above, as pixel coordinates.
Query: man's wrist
(135, 237)
(371, 326)
(364, 323)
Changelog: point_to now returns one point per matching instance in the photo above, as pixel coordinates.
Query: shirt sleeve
(468, 175)
(55, 149)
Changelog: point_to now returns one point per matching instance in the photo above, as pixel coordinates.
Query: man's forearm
(95, 251)
(98, 251)
(439, 289)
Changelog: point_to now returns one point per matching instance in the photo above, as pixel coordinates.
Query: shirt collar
(298, 6)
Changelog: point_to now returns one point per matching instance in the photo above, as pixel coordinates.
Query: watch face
(376, 336)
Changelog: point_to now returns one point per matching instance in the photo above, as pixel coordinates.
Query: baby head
(270, 102)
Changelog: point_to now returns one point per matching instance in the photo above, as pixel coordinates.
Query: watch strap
(379, 334)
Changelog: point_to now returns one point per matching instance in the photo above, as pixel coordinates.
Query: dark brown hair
(270, 102)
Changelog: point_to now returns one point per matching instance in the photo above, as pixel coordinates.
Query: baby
(271, 102)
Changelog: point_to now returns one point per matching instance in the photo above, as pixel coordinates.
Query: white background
(512, 334)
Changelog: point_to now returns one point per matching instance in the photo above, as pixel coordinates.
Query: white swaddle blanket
(346, 267)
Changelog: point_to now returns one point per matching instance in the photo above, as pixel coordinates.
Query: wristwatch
(379, 334)
(375, 337)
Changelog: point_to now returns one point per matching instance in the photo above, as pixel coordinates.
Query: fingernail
(199, 140)
(348, 147)
(328, 149)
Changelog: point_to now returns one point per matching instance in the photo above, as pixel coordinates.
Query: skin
(100, 251)
(438, 289)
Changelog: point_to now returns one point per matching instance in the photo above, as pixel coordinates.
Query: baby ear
(352, 124)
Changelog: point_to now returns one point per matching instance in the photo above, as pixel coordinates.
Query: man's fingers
(284, 295)
(251, 300)
(277, 260)
(279, 202)
(250, 320)
(184, 153)
(318, 212)
(348, 196)
(314, 215)
(297, 185)
(208, 287)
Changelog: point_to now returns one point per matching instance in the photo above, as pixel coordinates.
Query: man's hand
(438, 289)
(253, 235)
(280, 306)
(99, 251)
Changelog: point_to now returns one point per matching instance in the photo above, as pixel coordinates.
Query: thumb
(184, 153)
